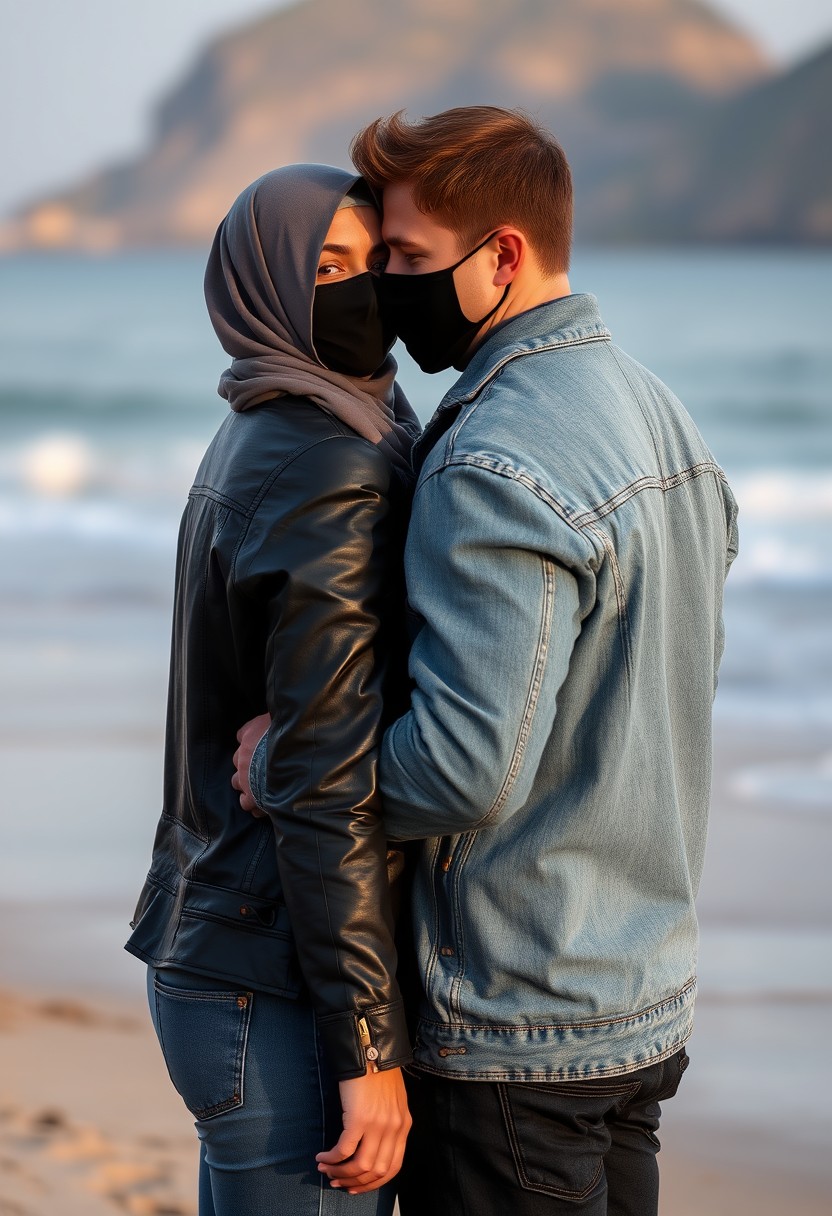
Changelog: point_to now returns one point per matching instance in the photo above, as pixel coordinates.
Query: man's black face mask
(424, 311)
(349, 332)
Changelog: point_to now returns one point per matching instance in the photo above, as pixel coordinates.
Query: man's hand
(248, 737)
(376, 1122)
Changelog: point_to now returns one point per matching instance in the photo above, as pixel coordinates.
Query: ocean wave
(780, 494)
(94, 521)
(771, 560)
(805, 785)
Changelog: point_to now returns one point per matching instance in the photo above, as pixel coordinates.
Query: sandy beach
(90, 1124)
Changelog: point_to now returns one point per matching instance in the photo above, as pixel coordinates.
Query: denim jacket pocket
(203, 1033)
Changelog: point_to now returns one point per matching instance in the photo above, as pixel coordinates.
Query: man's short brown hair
(475, 168)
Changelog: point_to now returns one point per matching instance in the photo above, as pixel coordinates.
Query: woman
(270, 943)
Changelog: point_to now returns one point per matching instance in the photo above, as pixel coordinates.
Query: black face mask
(424, 311)
(348, 331)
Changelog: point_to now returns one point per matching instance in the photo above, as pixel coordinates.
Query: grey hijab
(259, 288)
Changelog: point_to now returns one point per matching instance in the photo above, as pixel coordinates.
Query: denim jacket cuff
(352, 1041)
(257, 771)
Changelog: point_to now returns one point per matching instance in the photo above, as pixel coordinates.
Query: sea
(107, 400)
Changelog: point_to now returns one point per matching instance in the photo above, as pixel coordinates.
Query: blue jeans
(248, 1067)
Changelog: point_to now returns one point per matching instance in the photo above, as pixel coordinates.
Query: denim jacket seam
(688, 988)
(533, 694)
(581, 525)
(507, 1074)
(648, 482)
(620, 595)
(501, 469)
(602, 335)
(466, 413)
(635, 397)
(432, 961)
(455, 994)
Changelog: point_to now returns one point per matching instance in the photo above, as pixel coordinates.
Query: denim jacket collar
(562, 322)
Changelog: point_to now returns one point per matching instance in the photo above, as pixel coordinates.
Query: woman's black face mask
(349, 332)
(424, 311)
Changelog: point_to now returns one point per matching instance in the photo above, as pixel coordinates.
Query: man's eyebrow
(403, 242)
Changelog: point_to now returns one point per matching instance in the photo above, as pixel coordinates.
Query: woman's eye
(379, 266)
(328, 269)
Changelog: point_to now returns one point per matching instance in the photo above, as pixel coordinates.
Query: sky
(80, 77)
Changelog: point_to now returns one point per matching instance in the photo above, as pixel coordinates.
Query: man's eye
(379, 267)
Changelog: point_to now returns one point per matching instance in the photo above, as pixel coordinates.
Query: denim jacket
(565, 563)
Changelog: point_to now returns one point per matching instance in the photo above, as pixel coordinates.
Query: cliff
(617, 80)
(755, 169)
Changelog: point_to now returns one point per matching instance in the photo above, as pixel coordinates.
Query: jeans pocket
(203, 1033)
(557, 1134)
(672, 1075)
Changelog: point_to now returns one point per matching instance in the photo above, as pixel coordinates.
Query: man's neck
(524, 299)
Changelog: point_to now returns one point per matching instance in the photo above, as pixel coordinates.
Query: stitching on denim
(648, 482)
(620, 598)
(578, 1088)
(523, 1075)
(161, 988)
(532, 697)
(498, 469)
(637, 399)
(540, 1188)
(454, 997)
(464, 415)
(680, 997)
(602, 336)
(435, 878)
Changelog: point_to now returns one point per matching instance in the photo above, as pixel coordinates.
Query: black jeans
(492, 1148)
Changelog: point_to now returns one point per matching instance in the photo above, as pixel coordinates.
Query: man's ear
(511, 252)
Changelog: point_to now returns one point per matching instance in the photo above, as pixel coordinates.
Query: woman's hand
(370, 1149)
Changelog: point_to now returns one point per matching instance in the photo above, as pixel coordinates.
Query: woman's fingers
(376, 1122)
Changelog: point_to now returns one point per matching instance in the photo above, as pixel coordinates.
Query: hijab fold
(259, 288)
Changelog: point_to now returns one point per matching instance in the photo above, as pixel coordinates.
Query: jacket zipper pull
(367, 1043)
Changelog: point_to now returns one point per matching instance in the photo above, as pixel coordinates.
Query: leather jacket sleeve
(318, 555)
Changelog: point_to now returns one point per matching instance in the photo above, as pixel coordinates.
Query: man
(568, 546)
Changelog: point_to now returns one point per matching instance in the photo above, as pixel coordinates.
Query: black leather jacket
(288, 595)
